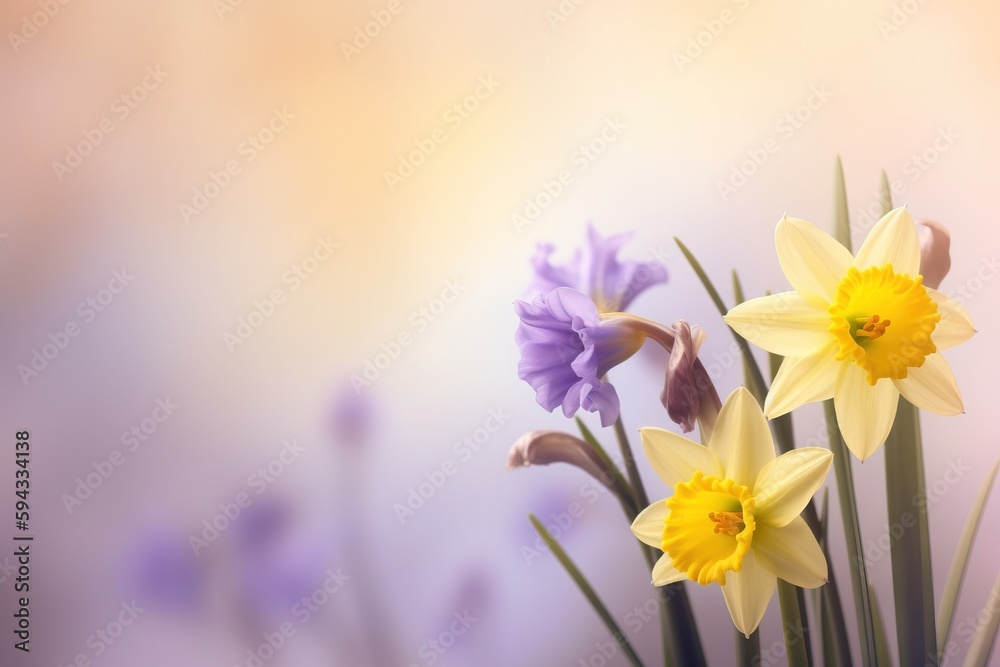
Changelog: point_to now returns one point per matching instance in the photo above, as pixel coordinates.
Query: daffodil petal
(648, 526)
(784, 323)
(864, 413)
(748, 593)
(812, 260)
(786, 485)
(665, 573)
(932, 387)
(893, 240)
(741, 438)
(955, 326)
(675, 458)
(803, 380)
(791, 553)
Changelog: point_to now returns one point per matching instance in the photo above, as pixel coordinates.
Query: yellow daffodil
(734, 516)
(862, 330)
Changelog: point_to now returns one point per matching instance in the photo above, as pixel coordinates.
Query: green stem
(679, 631)
(911, 555)
(852, 534)
(641, 499)
(621, 487)
(588, 592)
(795, 629)
(748, 650)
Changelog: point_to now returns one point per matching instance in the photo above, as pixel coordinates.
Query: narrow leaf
(953, 584)
(625, 493)
(885, 194)
(881, 644)
(588, 592)
(911, 553)
(796, 632)
(986, 634)
(841, 216)
(852, 534)
(756, 385)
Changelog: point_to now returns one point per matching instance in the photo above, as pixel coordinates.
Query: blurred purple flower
(276, 563)
(351, 416)
(164, 572)
(597, 271)
(566, 350)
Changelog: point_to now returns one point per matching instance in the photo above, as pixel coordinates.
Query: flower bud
(680, 392)
(935, 257)
(545, 447)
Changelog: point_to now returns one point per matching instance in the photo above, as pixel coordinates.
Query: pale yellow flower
(861, 330)
(734, 516)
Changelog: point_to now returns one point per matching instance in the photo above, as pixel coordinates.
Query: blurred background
(257, 267)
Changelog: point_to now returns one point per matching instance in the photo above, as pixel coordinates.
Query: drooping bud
(545, 447)
(681, 395)
(935, 255)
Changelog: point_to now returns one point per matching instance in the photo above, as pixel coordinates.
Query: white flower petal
(785, 324)
(803, 380)
(932, 387)
(648, 526)
(665, 573)
(741, 438)
(955, 326)
(748, 593)
(675, 458)
(812, 260)
(893, 240)
(791, 553)
(864, 413)
(787, 484)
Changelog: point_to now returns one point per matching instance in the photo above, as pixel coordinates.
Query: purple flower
(163, 571)
(351, 416)
(597, 271)
(566, 350)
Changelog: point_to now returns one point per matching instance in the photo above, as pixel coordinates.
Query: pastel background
(685, 93)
